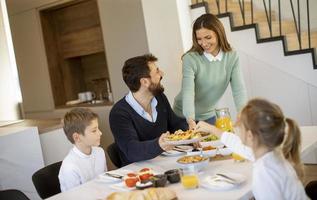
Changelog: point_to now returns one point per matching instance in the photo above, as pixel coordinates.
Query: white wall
(9, 90)
(31, 60)
(124, 37)
(164, 40)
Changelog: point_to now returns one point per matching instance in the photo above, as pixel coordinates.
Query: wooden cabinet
(75, 51)
(123, 36)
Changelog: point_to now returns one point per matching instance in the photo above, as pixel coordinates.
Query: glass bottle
(223, 120)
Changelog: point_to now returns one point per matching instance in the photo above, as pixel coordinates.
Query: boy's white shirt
(78, 168)
(273, 175)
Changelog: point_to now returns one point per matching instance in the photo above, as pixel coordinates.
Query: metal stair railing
(267, 5)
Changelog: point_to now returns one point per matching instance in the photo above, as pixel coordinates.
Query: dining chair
(46, 180)
(12, 195)
(311, 189)
(113, 152)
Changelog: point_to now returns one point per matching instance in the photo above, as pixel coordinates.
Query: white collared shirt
(78, 168)
(138, 108)
(212, 58)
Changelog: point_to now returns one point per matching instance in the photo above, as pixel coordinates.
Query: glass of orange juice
(237, 157)
(189, 179)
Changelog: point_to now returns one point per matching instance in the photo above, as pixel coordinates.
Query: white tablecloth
(95, 189)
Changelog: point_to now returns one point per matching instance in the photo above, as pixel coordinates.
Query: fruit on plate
(145, 174)
(131, 179)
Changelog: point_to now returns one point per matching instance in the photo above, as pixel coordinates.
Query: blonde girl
(273, 142)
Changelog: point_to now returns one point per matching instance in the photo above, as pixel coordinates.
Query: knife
(114, 175)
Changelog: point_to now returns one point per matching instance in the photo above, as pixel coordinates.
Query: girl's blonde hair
(266, 121)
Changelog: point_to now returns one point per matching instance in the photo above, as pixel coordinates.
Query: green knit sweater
(205, 82)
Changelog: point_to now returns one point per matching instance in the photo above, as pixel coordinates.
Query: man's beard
(156, 89)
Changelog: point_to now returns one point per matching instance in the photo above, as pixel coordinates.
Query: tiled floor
(310, 173)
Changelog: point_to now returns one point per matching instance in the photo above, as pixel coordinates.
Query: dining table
(97, 189)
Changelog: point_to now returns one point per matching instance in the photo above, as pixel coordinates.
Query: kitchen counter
(43, 125)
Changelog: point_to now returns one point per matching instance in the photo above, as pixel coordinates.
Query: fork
(222, 179)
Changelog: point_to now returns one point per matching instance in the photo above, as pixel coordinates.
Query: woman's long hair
(211, 22)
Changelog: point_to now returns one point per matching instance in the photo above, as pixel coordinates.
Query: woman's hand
(191, 124)
(208, 128)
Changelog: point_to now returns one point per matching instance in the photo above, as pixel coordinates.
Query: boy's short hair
(76, 121)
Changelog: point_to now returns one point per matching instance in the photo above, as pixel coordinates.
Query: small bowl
(159, 180)
(173, 175)
(195, 162)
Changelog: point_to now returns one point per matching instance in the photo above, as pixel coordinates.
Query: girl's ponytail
(291, 146)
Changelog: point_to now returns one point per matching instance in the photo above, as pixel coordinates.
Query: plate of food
(212, 141)
(185, 137)
(223, 181)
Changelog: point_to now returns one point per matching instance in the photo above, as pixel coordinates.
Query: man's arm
(127, 139)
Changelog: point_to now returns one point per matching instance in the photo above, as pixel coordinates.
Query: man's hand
(191, 123)
(163, 144)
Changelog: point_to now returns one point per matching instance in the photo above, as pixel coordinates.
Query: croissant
(147, 194)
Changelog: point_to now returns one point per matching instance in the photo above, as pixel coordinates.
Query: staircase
(268, 23)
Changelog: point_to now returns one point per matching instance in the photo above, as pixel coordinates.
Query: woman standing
(208, 68)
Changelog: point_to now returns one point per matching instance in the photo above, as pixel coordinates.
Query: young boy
(85, 160)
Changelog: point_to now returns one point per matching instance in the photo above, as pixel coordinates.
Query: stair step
(287, 27)
(293, 44)
(232, 6)
(258, 16)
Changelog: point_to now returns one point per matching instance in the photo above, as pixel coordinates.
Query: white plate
(209, 153)
(186, 148)
(212, 153)
(210, 182)
(179, 142)
(107, 179)
(214, 143)
(122, 186)
(172, 153)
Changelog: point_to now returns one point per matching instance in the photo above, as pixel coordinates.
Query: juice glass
(189, 179)
(237, 157)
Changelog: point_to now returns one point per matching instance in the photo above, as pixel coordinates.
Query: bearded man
(142, 119)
